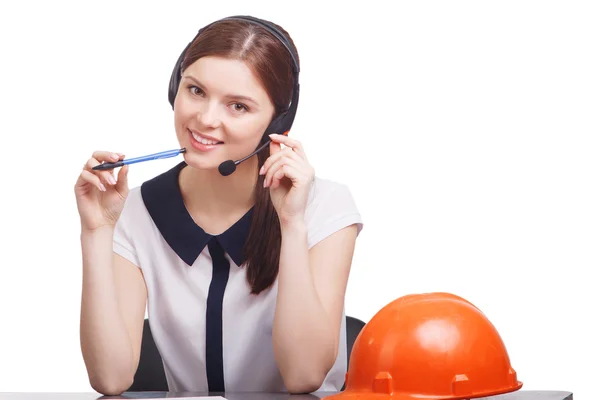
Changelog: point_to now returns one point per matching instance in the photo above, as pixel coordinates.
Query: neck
(208, 192)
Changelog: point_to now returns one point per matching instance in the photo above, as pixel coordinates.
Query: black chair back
(150, 375)
(353, 328)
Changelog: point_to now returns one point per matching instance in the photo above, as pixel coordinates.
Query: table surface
(518, 395)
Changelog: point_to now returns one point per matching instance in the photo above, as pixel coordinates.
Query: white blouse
(212, 334)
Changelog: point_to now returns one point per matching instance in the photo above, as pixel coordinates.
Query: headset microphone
(228, 167)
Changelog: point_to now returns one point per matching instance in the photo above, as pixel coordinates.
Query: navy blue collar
(163, 199)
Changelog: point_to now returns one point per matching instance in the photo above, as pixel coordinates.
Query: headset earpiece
(277, 125)
(176, 74)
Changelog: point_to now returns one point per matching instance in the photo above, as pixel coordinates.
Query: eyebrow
(231, 96)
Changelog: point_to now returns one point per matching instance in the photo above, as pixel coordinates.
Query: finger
(289, 142)
(278, 165)
(272, 168)
(274, 148)
(287, 152)
(122, 185)
(107, 156)
(298, 172)
(276, 155)
(286, 171)
(106, 176)
(278, 176)
(92, 179)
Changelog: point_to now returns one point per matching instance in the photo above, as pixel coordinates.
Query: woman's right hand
(100, 197)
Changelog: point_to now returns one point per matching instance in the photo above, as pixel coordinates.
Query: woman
(244, 275)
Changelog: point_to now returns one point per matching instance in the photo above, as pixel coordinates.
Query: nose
(208, 114)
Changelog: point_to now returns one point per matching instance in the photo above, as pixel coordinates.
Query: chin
(200, 161)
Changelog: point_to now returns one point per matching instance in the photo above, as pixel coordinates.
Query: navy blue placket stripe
(214, 317)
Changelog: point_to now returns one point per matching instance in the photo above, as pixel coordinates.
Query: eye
(239, 107)
(195, 90)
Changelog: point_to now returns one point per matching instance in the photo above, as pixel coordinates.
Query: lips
(203, 143)
(205, 139)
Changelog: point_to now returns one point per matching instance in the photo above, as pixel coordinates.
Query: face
(221, 112)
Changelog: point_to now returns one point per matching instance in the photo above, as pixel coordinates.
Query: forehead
(225, 76)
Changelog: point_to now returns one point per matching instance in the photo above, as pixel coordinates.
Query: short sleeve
(333, 208)
(123, 243)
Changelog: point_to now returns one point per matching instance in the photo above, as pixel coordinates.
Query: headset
(282, 123)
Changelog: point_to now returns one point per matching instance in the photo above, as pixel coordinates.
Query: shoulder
(325, 193)
(330, 207)
(323, 186)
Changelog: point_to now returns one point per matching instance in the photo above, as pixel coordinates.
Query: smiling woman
(244, 275)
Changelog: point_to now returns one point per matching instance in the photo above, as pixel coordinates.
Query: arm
(310, 301)
(113, 305)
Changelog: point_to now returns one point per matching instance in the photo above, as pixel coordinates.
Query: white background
(468, 132)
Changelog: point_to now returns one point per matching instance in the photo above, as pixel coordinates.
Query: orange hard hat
(428, 346)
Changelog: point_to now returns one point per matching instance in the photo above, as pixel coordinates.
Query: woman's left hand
(289, 177)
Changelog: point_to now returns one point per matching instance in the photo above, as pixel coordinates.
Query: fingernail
(115, 156)
(111, 179)
(265, 183)
(262, 170)
(102, 187)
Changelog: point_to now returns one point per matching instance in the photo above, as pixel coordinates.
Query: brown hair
(272, 64)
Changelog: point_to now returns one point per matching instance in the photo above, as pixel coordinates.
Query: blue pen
(164, 154)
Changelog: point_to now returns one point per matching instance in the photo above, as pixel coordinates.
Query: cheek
(247, 128)
(182, 114)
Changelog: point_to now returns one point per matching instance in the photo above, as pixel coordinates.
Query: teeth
(202, 140)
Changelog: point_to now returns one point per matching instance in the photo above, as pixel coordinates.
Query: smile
(203, 143)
